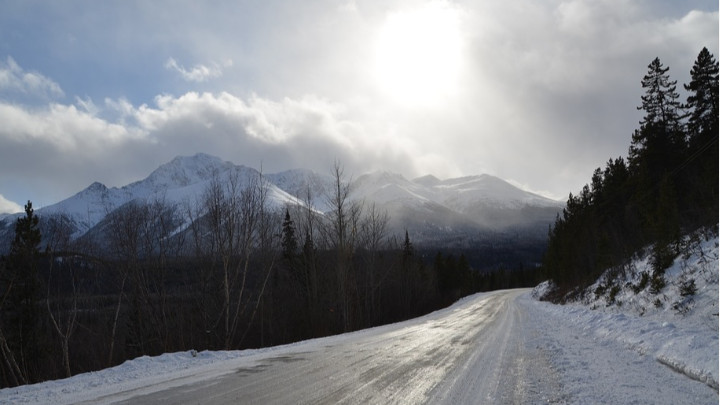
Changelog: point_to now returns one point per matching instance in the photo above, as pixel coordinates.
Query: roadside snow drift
(678, 326)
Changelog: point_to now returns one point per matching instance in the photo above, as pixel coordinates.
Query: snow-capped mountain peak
(464, 192)
(427, 180)
(385, 187)
(427, 204)
(183, 171)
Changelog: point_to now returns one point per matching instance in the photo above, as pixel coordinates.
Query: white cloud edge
(198, 73)
(9, 207)
(14, 78)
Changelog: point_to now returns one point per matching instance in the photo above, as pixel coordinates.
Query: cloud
(9, 207)
(306, 132)
(14, 78)
(64, 127)
(548, 93)
(309, 132)
(198, 73)
(554, 86)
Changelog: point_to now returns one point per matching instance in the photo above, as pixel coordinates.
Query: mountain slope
(180, 182)
(468, 204)
(433, 210)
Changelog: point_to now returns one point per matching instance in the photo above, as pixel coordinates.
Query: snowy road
(491, 348)
(471, 353)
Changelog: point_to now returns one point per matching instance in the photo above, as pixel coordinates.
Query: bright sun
(418, 55)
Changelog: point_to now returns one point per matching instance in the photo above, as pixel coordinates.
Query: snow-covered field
(635, 350)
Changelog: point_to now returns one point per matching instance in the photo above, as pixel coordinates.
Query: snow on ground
(130, 375)
(599, 350)
(678, 331)
(148, 374)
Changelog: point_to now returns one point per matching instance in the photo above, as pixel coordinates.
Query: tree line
(226, 271)
(666, 187)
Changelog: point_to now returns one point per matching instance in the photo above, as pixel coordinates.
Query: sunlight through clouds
(517, 89)
(419, 54)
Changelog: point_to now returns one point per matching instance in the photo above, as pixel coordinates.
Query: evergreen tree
(660, 136)
(407, 247)
(703, 99)
(658, 148)
(668, 187)
(21, 293)
(660, 100)
(702, 127)
(289, 241)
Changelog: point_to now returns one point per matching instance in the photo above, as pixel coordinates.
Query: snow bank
(149, 374)
(167, 369)
(678, 331)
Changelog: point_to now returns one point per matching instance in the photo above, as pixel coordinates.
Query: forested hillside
(666, 187)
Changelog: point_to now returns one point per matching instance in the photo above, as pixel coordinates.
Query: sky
(539, 93)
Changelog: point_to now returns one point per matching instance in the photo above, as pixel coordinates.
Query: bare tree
(124, 234)
(63, 319)
(157, 246)
(308, 224)
(373, 239)
(14, 372)
(268, 238)
(236, 226)
(342, 233)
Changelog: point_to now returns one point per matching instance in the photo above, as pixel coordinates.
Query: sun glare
(418, 55)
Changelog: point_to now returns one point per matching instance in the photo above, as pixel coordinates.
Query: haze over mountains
(440, 213)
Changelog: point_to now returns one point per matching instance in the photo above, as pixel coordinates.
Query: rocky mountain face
(457, 212)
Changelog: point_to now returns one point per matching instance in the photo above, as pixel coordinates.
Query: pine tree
(703, 99)
(407, 247)
(658, 147)
(702, 127)
(660, 100)
(289, 241)
(20, 296)
(668, 186)
(660, 139)
(27, 235)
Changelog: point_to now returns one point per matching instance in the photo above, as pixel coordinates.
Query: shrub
(657, 283)
(688, 288)
(600, 291)
(613, 293)
(644, 279)
(662, 257)
(684, 306)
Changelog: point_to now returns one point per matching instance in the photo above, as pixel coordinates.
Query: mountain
(460, 211)
(305, 185)
(467, 208)
(180, 182)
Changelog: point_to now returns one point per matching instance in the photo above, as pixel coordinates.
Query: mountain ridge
(427, 205)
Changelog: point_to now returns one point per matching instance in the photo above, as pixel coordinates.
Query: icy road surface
(472, 353)
(497, 348)
(501, 347)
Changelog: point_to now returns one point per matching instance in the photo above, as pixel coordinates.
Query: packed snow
(679, 331)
